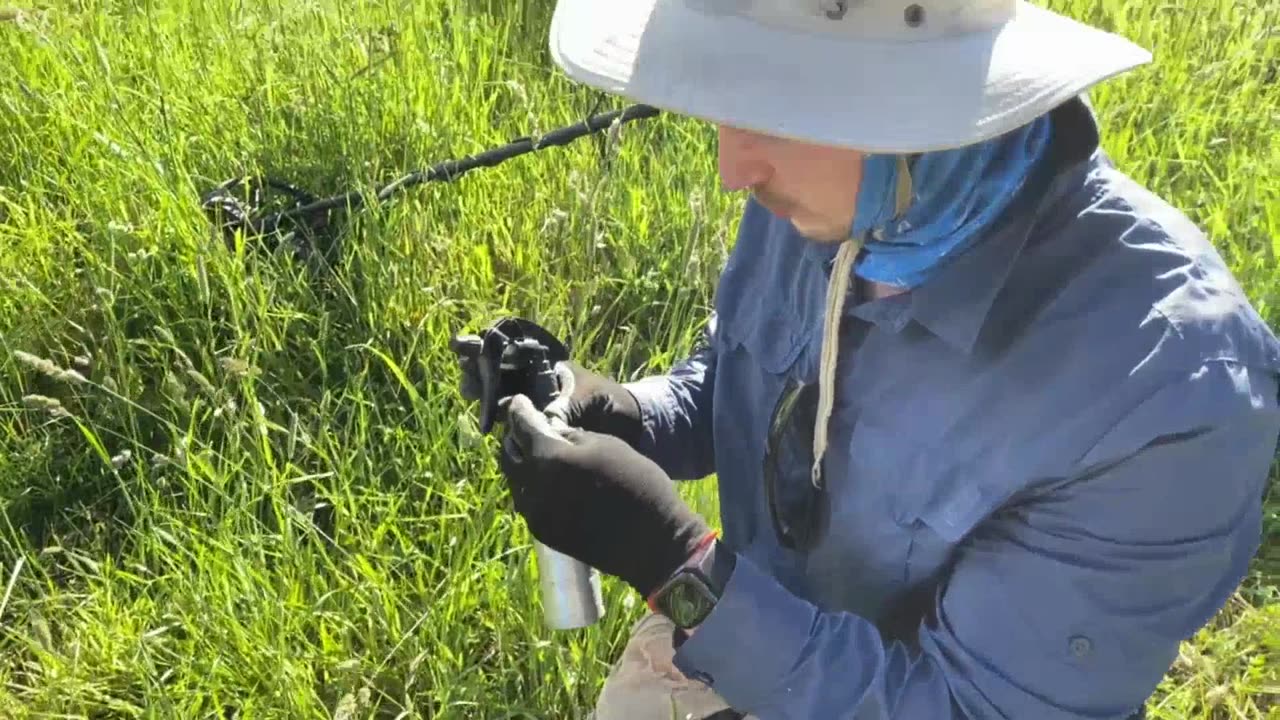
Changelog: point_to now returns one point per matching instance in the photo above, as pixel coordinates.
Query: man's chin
(819, 233)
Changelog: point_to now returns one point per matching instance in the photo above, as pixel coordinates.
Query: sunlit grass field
(236, 484)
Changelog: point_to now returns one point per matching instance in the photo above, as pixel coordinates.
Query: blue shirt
(1046, 465)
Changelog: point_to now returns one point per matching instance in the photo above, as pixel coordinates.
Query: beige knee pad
(646, 685)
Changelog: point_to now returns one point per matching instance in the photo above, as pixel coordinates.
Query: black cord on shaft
(235, 215)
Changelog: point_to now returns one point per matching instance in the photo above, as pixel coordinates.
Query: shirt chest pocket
(907, 508)
(773, 322)
(942, 507)
(772, 342)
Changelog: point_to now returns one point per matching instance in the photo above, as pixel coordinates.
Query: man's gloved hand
(592, 497)
(594, 402)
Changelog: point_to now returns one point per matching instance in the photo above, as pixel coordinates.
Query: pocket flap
(951, 500)
(769, 299)
(952, 515)
(773, 340)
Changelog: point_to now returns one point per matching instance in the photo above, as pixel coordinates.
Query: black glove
(596, 403)
(592, 497)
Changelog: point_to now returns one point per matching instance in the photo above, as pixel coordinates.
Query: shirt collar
(955, 304)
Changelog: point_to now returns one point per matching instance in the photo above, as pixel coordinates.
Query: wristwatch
(692, 591)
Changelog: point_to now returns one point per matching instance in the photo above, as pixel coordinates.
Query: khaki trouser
(645, 685)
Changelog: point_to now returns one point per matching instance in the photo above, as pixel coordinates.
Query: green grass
(265, 495)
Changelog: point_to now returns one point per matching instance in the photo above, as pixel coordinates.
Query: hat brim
(876, 96)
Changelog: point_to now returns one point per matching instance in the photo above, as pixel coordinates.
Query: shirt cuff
(751, 640)
(657, 408)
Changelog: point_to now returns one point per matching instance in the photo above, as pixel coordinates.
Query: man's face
(813, 186)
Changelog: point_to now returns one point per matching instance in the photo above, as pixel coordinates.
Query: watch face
(687, 601)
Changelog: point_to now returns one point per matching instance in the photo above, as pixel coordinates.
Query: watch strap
(694, 561)
(689, 594)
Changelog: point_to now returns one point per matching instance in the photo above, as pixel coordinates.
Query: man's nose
(742, 165)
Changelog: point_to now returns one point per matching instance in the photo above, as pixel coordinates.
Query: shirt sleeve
(1066, 607)
(675, 409)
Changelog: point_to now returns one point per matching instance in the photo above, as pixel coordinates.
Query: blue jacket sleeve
(1070, 606)
(676, 412)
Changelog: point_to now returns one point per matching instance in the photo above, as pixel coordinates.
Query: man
(991, 422)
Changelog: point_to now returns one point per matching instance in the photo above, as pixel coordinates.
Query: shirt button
(1080, 645)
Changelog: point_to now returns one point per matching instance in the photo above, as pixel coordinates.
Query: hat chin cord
(837, 293)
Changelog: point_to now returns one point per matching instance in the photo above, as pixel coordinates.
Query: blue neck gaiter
(956, 196)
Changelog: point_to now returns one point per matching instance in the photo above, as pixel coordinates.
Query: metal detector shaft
(570, 590)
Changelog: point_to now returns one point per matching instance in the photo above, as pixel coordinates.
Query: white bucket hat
(891, 76)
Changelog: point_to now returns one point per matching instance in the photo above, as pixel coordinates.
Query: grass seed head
(45, 403)
(121, 459)
(49, 368)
